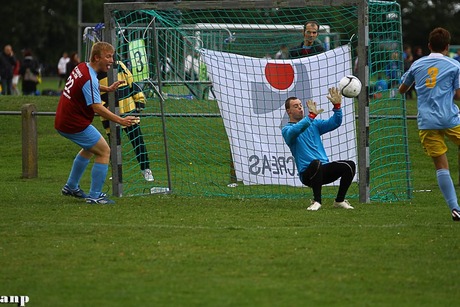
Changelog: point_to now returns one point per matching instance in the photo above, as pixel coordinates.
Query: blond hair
(100, 47)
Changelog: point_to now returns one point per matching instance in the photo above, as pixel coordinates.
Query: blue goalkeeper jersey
(436, 78)
(304, 139)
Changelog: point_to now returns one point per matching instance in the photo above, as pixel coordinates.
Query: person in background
(393, 73)
(15, 81)
(408, 59)
(457, 56)
(303, 136)
(195, 70)
(310, 44)
(79, 101)
(130, 99)
(437, 83)
(74, 60)
(379, 87)
(61, 68)
(7, 63)
(417, 53)
(29, 72)
(283, 53)
(192, 66)
(267, 56)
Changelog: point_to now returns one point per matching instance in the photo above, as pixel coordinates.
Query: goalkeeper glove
(335, 97)
(312, 109)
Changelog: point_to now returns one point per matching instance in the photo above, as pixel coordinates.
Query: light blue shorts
(86, 138)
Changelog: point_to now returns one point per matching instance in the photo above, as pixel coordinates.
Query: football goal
(215, 80)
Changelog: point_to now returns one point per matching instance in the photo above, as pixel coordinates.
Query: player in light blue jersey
(303, 136)
(437, 83)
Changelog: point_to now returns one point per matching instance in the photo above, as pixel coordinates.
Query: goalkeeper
(303, 136)
(130, 99)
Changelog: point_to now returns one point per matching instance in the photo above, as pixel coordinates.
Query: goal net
(215, 78)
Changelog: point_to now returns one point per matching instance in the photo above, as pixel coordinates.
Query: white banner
(251, 93)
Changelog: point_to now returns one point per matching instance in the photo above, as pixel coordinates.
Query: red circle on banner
(280, 76)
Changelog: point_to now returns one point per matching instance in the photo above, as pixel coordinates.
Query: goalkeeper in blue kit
(437, 83)
(303, 136)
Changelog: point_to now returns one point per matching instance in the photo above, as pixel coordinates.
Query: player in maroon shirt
(79, 101)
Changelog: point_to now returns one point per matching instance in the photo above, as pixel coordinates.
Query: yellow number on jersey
(432, 74)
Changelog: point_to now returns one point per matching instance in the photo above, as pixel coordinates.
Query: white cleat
(314, 206)
(344, 204)
(147, 173)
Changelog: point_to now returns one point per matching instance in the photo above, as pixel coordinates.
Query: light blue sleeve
(407, 78)
(457, 79)
(291, 131)
(332, 123)
(91, 89)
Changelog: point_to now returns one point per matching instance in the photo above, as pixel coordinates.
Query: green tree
(47, 27)
(419, 17)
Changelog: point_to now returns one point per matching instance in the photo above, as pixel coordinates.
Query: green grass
(169, 250)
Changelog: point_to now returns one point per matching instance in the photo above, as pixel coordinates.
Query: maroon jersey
(74, 112)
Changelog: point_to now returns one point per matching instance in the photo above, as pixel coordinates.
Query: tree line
(50, 27)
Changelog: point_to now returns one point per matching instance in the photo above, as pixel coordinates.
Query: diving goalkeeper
(303, 136)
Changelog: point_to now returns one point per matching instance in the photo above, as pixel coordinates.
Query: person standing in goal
(303, 136)
(437, 83)
(130, 99)
(79, 101)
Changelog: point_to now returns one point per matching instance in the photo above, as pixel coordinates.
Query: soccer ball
(350, 86)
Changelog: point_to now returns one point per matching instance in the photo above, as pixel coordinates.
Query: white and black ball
(350, 86)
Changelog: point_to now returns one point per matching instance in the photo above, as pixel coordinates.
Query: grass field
(169, 250)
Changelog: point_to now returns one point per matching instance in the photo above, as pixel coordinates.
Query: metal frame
(362, 48)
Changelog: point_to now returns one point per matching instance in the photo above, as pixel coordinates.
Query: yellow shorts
(433, 141)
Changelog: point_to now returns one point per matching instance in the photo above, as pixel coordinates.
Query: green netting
(203, 132)
(389, 156)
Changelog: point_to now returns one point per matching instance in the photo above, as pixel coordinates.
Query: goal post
(201, 109)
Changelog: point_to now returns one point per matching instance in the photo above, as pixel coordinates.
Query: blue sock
(447, 188)
(98, 174)
(78, 168)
